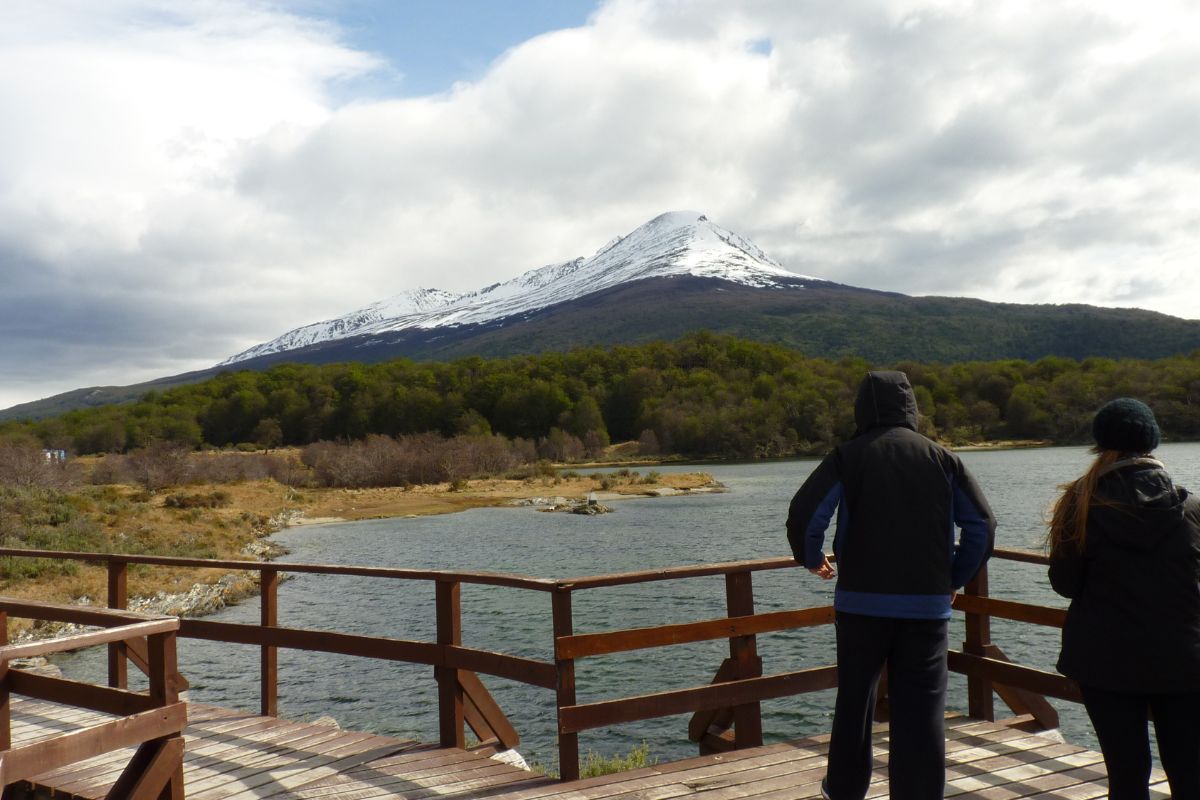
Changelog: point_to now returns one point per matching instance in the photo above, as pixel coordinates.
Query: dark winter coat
(898, 497)
(1134, 619)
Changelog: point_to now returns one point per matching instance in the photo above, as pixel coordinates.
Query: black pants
(1120, 720)
(914, 651)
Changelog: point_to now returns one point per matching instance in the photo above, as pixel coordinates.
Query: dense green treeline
(704, 395)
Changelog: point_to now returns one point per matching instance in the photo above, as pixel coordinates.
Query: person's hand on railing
(825, 571)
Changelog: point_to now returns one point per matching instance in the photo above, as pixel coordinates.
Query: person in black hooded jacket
(1125, 548)
(898, 497)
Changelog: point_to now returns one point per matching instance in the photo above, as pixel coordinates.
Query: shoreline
(273, 507)
(471, 500)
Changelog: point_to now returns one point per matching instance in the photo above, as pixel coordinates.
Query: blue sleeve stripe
(973, 544)
(899, 606)
(814, 533)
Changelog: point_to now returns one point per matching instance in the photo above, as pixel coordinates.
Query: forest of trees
(705, 395)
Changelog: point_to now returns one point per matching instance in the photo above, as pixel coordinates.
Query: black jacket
(1134, 619)
(898, 496)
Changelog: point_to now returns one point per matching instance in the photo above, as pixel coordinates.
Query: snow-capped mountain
(681, 243)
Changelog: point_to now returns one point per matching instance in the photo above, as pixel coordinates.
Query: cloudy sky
(181, 180)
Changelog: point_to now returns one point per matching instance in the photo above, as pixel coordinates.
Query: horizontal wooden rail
(22, 763)
(482, 578)
(118, 702)
(76, 641)
(1050, 684)
(463, 698)
(1012, 610)
(1018, 554)
(595, 644)
(672, 573)
(573, 719)
(524, 670)
(347, 644)
(485, 578)
(80, 615)
(724, 568)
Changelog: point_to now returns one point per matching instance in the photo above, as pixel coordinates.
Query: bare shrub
(560, 446)
(158, 466)
(186, 500)
(107, 470)
(415, 459)
(27, 466)
(234, 467)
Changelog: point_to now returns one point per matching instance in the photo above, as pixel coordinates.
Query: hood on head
(1144, 504)
(885, 399)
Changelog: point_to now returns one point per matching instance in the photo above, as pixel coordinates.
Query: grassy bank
(231, 521)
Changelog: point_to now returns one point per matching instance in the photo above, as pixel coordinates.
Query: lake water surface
(744, 523)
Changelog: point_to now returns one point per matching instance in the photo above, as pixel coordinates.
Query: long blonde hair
(1068, 521)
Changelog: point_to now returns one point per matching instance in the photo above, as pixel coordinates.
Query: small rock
(589, 509)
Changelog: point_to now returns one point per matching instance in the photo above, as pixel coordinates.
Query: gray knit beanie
(1125, 425)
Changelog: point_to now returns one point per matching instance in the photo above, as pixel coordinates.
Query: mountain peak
(674, 244)
(678, 219)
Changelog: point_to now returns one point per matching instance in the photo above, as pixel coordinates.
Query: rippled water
(746, 522)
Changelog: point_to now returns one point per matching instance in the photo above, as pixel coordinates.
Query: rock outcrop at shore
(198, 601)
(565, 504)
(201, 599)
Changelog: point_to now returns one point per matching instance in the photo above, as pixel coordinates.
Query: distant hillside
(677, 274)
(702, 395)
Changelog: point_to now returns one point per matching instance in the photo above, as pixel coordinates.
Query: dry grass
(127, 519)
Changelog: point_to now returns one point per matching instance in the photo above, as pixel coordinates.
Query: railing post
(747, 719)
(269, 675)
(118, 597)
(980, 703)
(164, 669)
(164, 665)
(5, 709)
(450, 692)
(568, 743)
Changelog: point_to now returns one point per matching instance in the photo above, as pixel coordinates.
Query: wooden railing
(152, 721)
(725, 713)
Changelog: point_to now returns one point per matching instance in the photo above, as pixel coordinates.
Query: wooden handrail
(81, 615)
(733, 699)
(680, 701)
(22, 763)
(152, 721)
(1023, 555)
(1011, 610)
(77, 641)
(481, 578)
(595, 644)
(673, 573)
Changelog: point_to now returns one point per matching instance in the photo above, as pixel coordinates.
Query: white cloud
(176, 184)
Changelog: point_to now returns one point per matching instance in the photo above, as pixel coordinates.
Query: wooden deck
(237, 756)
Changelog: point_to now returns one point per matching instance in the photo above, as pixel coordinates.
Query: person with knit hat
(1124, 545)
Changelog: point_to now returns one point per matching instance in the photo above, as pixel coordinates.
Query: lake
(744, 523)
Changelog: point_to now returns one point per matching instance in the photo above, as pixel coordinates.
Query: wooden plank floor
(234, 755)
(240, 756)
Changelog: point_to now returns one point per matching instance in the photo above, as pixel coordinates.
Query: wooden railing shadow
(726, 713)
(153, 721)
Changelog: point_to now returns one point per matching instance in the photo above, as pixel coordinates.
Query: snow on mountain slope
(673, 244)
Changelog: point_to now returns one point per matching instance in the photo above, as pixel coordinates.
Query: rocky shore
(207, 598)
(198, 601)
